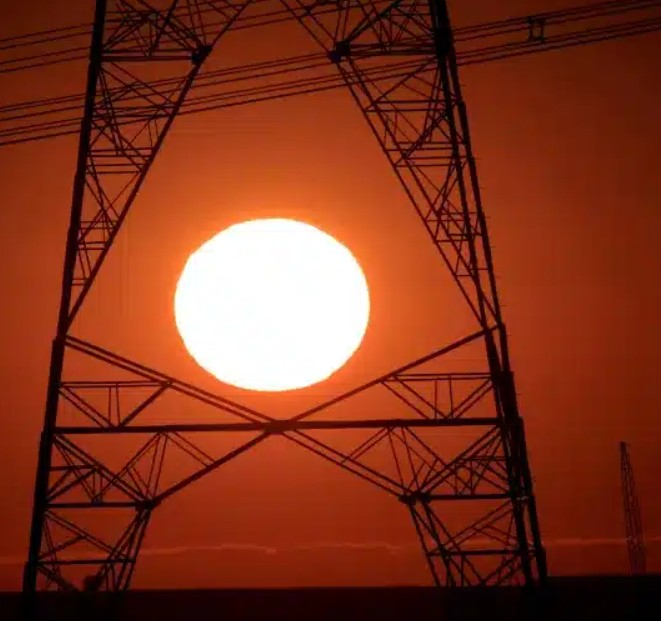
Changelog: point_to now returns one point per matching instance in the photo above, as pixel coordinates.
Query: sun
(272, 305)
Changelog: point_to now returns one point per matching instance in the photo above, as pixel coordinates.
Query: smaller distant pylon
(632, 519)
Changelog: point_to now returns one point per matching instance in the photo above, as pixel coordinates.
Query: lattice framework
(92, 509)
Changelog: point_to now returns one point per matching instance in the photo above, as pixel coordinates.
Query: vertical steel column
(497, 353)
(63, 322)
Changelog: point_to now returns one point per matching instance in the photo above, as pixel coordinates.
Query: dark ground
(565, 599)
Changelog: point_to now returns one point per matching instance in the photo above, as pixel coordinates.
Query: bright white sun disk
(272, 305)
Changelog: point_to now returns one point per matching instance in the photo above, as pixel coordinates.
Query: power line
(303, 74)
(44, 36)
(82, 32)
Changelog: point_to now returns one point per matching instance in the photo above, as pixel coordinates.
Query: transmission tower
(632, 520)
(471, 500)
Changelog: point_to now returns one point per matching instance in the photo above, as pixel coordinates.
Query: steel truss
(105, 465)
(633, 525)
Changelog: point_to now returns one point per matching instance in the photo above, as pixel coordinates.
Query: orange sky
(567, 147)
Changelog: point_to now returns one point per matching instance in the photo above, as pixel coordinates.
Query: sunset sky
(567, 144)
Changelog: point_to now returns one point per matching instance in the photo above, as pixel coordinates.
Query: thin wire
(560, 16)
(306, 61)
(78, 53)
(44, 54)
(40, 33)
(503, 27)
(200, 103)
(116, 18)
(14, 46)
(67, 107)
(37, 131)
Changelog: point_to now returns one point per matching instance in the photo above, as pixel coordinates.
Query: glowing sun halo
(272, 305)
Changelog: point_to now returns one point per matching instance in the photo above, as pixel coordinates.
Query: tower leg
(57, 350)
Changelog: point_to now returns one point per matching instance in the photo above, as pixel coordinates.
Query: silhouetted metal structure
(102, 458)
(632, 520)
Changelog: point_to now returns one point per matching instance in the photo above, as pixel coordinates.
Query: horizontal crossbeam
(283, 426)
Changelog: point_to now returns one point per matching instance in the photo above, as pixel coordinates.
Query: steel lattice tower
(632, 520)
(90, 511)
